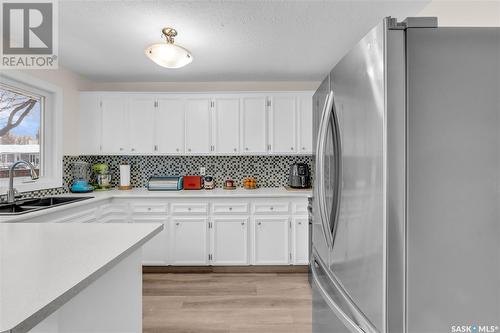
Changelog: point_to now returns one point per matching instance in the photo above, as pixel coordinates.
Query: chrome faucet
(11, 192)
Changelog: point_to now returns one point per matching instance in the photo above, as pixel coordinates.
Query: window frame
(50, 132)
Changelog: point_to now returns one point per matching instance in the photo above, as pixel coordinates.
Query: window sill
(40, 184)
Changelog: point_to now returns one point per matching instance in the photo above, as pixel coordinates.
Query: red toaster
(193, 182)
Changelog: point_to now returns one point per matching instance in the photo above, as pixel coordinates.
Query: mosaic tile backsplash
(270, 171)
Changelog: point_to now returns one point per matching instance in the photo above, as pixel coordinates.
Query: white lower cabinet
(271, 238)
(229, 240)
(300, 239)
(189, 241)
(155, 252)
(215, 231)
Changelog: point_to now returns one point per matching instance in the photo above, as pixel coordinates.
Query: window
(20, 130)
(30, 130)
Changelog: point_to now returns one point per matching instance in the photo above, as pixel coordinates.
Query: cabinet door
(304, 124)
(189, 241)
(254, 125)
(271, 241)
(90, 124)
(154, 251)
(169, 125)
(282, 129)
(300, 237)
(115, 124)
(229, 241)
(226, 125)
(141, 124)
(198, 126)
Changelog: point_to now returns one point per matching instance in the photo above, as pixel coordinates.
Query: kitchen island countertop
(43, 265)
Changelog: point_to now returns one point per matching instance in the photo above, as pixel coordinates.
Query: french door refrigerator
(406, 203)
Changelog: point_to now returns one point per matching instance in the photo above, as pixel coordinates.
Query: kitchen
(181, 168)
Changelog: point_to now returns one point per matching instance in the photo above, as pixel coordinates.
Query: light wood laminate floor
(227, 303)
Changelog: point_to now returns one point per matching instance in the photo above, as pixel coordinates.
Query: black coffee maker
(300, 176)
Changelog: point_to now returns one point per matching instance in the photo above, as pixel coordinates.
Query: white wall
(71, 84)
(464, 13)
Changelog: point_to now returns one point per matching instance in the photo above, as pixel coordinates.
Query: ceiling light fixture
(168, 54)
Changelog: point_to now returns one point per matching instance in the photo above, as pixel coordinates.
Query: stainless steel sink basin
(52, 201)
(30, 205)
(15, 209)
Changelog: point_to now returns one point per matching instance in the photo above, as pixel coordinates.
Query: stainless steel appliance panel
(357, 258)
(453, 226)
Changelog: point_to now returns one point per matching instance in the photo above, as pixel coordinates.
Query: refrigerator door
(357, 257)
(453, 226)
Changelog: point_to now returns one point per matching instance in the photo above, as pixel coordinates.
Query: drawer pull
(189, 208)
(230, 208)
(149, 209)
(242, 223)
(177, 223)
(271, 208)
(259, 223)
(300, 223)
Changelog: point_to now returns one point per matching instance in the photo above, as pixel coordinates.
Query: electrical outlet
(202, 171)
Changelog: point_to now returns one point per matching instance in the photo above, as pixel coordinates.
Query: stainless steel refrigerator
(406, 204)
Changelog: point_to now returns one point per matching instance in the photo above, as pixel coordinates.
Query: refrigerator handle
(356, 322)
(320, 166)
(338, 169)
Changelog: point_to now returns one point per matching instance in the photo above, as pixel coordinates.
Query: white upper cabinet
(115, 138)
(90, 124)
(282, 127)
(226, 125)
(304, 123)
(169, 125)
(198, 125)
(141, 120)
(254, 124)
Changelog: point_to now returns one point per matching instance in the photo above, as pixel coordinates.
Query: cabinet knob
(133, 149)
(189, 208)
(235, 149)
(259, 223)
(246, 148)
(303, 148)
(242, 223)
(121, 149)
(189, 149)
(230, 208)
(177, 223)
(291, 148)
(271, 208)
(300, 223)
(176, 149)
(149, 209)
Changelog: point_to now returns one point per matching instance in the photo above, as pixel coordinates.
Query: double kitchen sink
(36, 204)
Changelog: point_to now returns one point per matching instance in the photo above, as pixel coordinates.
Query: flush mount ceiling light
(168, 54)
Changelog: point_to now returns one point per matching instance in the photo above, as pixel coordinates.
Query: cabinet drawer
(230, 208)
(144, 208)
(189, 208)
(271, 208)
(299, 208)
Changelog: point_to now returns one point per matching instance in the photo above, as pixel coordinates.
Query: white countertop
(42, 265)
(275, 192)
(215, 193)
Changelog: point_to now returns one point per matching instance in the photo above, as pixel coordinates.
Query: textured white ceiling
(230, 40)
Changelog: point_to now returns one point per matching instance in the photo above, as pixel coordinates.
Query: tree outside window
(20, 126)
